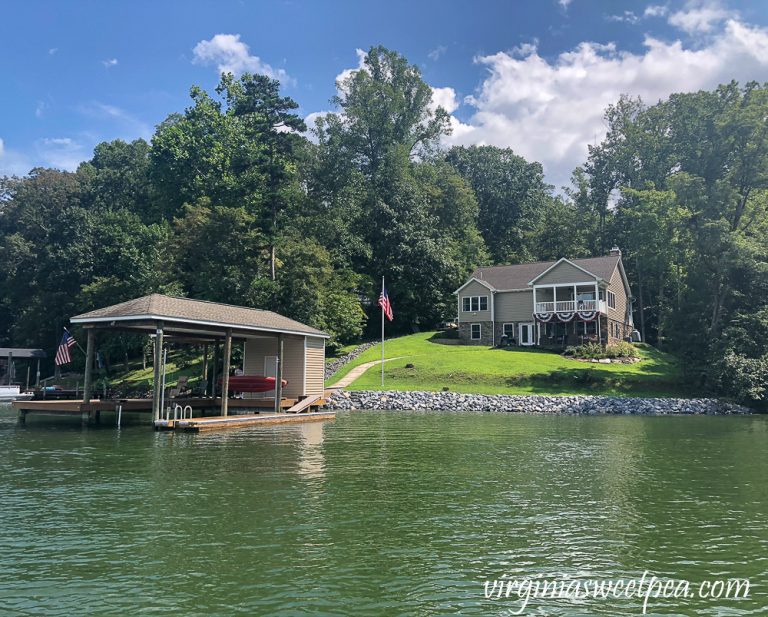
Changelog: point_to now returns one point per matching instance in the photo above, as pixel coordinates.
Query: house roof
(200, 312)
(518, 276)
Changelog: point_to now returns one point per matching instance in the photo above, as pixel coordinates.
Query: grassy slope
(474, 369)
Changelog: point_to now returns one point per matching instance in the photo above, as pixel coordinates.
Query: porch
(568, 298)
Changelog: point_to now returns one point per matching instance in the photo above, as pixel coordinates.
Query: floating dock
(212, 423)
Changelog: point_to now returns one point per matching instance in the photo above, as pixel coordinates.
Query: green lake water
(379, 513)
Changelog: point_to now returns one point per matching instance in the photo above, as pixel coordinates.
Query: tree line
(236, 200)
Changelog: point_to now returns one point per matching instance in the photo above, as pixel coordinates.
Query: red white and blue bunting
(566, 317)
(587, 315)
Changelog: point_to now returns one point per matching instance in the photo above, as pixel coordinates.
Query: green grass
(474, 369)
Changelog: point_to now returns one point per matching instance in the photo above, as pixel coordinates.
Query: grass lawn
(475, 369)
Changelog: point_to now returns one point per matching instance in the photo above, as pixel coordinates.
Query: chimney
(615, 251)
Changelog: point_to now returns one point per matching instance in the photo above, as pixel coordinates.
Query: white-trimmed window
(476, 331)
(611, 300)
(474, 303)
(508, 330)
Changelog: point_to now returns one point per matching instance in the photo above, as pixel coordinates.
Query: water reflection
(311, 456)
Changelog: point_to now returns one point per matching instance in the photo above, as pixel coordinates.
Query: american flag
(385, 304)
(62, 354)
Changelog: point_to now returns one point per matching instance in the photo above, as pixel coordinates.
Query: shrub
(594, 351)
(621, 350)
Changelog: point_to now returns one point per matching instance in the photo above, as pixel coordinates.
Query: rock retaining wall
(588, 405)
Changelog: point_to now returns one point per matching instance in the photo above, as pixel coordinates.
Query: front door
(526, 334)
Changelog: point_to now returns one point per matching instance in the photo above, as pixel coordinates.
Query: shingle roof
(198, 311)
(518, 276)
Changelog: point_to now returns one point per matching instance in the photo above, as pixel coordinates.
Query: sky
(532, 76)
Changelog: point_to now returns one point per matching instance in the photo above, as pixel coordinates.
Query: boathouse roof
(201, 313)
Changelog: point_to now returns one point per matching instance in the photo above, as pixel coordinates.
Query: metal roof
(20, 352)
(158, 307)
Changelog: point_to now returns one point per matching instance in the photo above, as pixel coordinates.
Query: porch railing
(567, 306)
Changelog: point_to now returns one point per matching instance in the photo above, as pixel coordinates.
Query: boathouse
(273, 346)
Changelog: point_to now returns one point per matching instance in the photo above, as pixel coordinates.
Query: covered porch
(568, 298)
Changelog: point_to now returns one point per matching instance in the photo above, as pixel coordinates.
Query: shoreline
(395, 400)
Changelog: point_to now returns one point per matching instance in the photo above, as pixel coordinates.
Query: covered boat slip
(273, 346)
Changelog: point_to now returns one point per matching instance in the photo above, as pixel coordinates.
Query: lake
(380, 513)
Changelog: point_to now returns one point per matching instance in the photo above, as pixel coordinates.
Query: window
(588, 327)
(509, 330)
(476, 331)
(611, 300)
(474, 303)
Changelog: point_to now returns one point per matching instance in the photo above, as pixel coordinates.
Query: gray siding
(564, 273)
(315, 362)
(514, 306)
(475, 289)
(293, 363)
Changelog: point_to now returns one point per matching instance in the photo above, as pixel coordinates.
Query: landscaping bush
(621, 350)
(594, 351)
(587, 350)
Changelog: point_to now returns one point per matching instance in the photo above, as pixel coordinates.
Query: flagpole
(382, 335)
(80, 347)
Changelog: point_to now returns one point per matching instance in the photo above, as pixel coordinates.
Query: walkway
(355, 373)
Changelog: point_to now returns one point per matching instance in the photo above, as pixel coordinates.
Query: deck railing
(567, 306)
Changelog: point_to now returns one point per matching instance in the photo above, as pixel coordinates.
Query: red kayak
(252, 383)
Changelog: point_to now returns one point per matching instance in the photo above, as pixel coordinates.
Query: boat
(252, 383)
(13, 393)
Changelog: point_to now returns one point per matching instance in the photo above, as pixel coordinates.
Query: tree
(512, 198)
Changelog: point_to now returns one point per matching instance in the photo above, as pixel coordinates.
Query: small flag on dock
(62, 354)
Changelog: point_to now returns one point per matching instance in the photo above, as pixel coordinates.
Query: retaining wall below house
(588, 405)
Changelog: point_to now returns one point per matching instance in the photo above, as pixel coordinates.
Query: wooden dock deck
(213, 423)
(205, 407)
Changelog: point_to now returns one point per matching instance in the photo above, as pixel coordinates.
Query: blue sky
(534, 76)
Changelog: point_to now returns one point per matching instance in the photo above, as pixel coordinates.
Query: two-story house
(551, 304)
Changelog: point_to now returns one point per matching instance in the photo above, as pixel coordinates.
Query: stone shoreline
(537, 404)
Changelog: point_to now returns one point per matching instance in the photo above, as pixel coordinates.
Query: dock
(197, 425)
(252, 411)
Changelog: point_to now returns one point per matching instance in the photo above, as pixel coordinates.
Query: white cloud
(60, 152)
(346, 73)
(551, 110)
(231, 55)
(437, 52)
(627, 17)
(109, 63)
(564, 3)
(52, 51)
(2, 146)
(699, 16)
(40, 109)
(445, 98)
(655, 10)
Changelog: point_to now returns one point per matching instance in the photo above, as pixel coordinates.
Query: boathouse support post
(37, 375)
(214, 368)
(157, 372)
(205, 369)
(225, 373)
(279, 374)
(88, 379)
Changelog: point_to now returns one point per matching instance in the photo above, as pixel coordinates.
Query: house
(551, 304)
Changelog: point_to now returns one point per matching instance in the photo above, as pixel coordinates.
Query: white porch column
(554, 298)
(534, 298)
(597, 297)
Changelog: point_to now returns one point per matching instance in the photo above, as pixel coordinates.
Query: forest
(235, 199)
